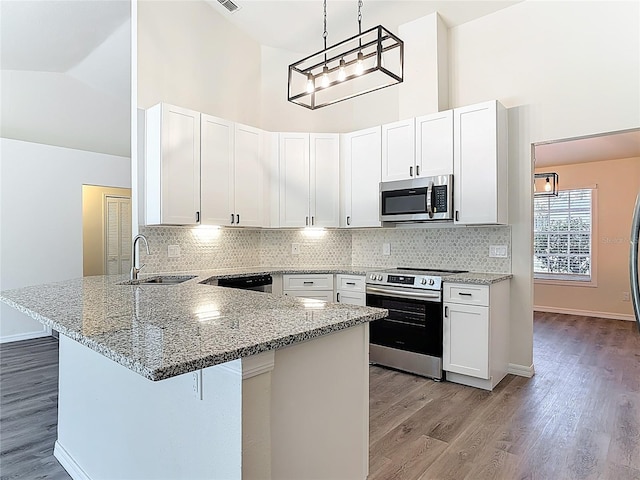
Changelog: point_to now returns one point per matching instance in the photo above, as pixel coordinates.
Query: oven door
(414, 324)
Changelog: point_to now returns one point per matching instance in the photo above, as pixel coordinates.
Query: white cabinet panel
(323, 295)
(351, 298)
(361, 169)
(321, 281)
(324, 179)
(172, 165)
(480, 164)
(249, 176)
(466, 340)
(354, 283)
(217, 171)
(434, 144)
(294, 179)
(466, 293)
(398, 150)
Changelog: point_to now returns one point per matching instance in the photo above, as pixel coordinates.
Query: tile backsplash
(464, 248)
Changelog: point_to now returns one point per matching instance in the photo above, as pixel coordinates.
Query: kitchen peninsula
(199, 381)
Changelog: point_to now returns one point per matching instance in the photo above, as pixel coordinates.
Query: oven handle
(403, 294)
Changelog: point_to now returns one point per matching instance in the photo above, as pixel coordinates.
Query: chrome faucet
(134, 270)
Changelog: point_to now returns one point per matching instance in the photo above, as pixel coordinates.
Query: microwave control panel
(440, 198)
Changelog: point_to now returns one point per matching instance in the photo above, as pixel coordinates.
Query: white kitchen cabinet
(313, 286)
(309, 180)
(434, 144)
(231, 173)
(350, 289)
(360, 157)
(398, 151)
(248, 176)
(172, 166)
(480, 164)
(476, 333)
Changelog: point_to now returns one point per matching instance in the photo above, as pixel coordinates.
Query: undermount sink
(160, 280)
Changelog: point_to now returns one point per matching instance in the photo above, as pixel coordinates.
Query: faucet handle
(141, 266)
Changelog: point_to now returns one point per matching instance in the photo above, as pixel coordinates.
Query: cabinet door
(398, 150)
(434, 144)
(361, 187)
(466, 340)
(308, 281)
(475, 164)
(351, 298)
(294, 179)
(172, 165)
(216, 171)
(324, 179)
(248, 176)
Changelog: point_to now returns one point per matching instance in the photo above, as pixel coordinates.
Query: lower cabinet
(350, 289)
(476, 333)
(306, 285)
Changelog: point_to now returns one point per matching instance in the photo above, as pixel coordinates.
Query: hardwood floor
(577, 418)
(29, 410)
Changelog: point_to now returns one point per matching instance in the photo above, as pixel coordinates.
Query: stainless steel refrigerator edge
(633, 260)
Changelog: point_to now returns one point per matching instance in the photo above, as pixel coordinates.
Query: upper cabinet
(309, 166)
(398, 151)
(172, 166)
(434, 144)
(360, 157)
(420, 147)
(231, 173)
(480, 164)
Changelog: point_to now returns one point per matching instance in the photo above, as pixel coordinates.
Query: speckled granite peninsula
(162, 331)
(253, 385)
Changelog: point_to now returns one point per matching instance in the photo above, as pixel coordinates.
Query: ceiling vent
(229, 5)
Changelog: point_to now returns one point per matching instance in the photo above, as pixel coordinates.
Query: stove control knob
(431, 281)
(379, 277)
(372, 276)
(423, 281)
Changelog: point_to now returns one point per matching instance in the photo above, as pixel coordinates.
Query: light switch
(386, 249)
(498, 251)
(295, 249)
(173, 251)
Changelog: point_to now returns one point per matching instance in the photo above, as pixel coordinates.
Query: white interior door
(117, 232)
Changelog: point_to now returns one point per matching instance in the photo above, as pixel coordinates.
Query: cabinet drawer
(325, 296)
(323, 281)
(350, 297)
(352, 283)
(466, 293)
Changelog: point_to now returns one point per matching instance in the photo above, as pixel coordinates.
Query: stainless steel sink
(160, 280)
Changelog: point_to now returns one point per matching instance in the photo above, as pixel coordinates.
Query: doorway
(106, 230)
(581, 249)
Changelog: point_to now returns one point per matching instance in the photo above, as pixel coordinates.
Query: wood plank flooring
(29, 410)
(577, 418)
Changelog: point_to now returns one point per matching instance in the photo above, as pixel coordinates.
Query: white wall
(41, 217)
(565, 69)
(188, 55)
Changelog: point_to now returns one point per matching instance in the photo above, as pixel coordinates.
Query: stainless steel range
(410, 338)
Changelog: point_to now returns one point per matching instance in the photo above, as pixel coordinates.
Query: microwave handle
(429, 200)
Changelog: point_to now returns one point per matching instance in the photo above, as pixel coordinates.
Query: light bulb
(310, 85)
(547, 186)
(360, 64)
(325, 77)
(342, 74)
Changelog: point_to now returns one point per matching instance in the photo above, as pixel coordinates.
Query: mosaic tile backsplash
(463, 248)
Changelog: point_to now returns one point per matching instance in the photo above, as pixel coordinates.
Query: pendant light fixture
(366, 62)
(545, 184)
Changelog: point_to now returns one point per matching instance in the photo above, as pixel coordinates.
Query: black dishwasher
(258, 283)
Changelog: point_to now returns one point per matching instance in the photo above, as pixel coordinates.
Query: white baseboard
(521, 370)
(585, 313)
(68, 463)
(24, 336)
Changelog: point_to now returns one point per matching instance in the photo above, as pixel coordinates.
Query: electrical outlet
(295, 249)
(173, 251)
(386, 249)
(498, 251)
(625, 297)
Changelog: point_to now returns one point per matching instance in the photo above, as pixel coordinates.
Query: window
(562, 244)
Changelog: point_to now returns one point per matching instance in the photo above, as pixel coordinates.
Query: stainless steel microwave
(417, 199)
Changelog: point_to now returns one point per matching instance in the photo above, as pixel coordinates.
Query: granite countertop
(161, 331)
(477, 278)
